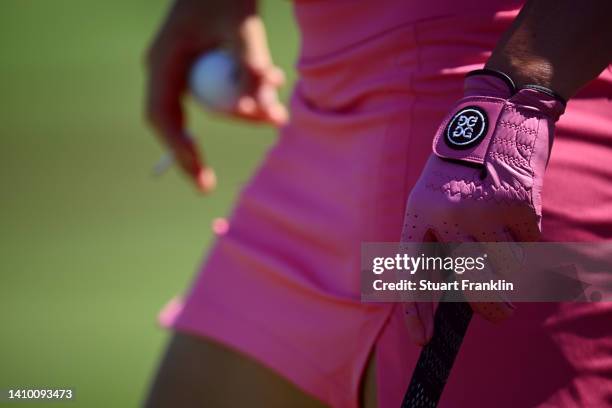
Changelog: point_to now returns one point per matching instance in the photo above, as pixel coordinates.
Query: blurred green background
(91, 246)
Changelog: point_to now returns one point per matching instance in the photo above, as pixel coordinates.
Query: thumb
(191, 161)
(419, 318)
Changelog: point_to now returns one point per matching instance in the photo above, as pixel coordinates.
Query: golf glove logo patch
(466, 128)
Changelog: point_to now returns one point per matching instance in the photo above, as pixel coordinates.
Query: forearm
(559, 44)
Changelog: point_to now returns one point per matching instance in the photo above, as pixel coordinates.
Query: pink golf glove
(483, 182)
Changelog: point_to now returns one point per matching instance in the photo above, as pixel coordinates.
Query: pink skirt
(282, 284)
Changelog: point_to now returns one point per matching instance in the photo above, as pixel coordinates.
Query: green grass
(91, 246)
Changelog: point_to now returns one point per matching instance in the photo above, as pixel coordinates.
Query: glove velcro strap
(466, 133)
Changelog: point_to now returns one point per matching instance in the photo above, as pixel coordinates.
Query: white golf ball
(215, 80)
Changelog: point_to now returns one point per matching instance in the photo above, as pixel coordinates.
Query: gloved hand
(483, 182)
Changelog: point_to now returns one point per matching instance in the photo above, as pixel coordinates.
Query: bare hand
(191, 28)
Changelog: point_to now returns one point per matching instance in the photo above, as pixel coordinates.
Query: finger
(247, 107)
(166, 86)
(255, 54)
(502, 258)
(274, 76)
(260, 79)
(268, 74)
(250, 108)
(186, 155)
(419, 319)
(270, 106)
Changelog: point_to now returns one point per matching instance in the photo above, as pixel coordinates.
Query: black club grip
(437, 357)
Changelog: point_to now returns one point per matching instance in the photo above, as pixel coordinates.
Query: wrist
(529, 71)
(532, 75)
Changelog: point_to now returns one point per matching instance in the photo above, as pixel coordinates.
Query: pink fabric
(282, 284)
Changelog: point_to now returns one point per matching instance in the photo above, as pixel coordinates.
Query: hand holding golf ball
(221, 83)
